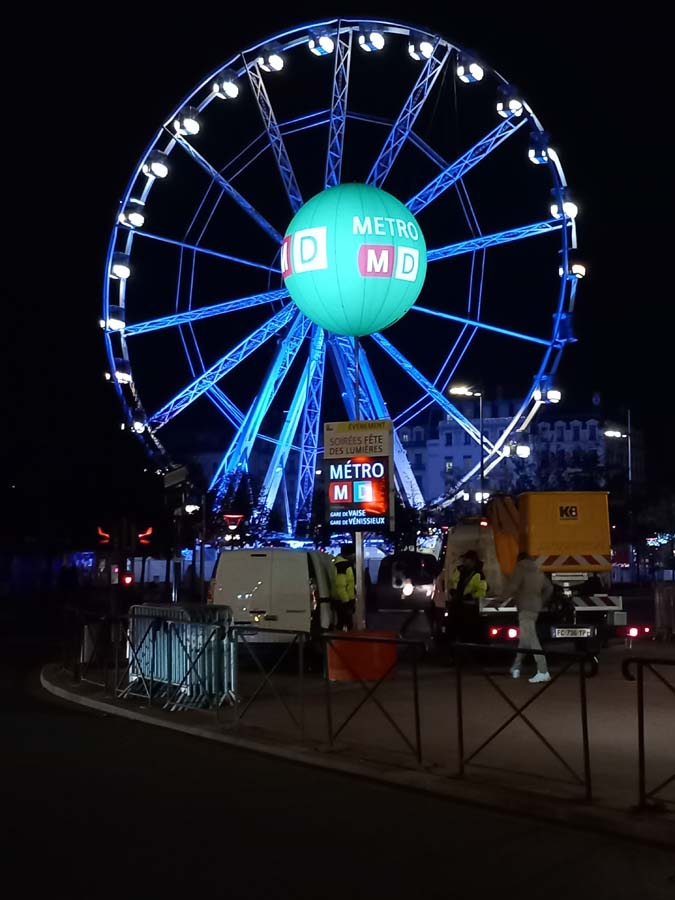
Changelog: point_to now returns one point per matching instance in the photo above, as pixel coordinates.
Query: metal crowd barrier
(466, 650)
(646, 799)
(180, 653)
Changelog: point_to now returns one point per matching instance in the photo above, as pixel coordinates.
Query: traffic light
(127, 579)
(233, 521)
(236, 529)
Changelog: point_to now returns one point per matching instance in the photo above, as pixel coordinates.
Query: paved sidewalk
(515, 771)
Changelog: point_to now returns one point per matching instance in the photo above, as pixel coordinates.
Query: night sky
(88, 96)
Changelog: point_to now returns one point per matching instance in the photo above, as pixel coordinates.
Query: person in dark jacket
(467, 587)
(530, 589)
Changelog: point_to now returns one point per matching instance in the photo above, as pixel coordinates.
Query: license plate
(572, 632)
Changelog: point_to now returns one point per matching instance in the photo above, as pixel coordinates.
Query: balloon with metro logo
(354, 259)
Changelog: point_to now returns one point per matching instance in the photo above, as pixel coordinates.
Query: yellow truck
(568, 534)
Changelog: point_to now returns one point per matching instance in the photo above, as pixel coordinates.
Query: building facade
(566, 452)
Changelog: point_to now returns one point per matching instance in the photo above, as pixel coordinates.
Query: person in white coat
(529, 589)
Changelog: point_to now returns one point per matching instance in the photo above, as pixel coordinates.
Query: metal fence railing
(648, 799)
(413, 649)
(190, 658)
(243, 640)
(586, 666)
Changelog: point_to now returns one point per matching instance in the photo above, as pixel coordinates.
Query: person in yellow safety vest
(344, 591)
(467, 586)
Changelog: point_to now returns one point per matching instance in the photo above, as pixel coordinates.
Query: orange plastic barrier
(349, 660)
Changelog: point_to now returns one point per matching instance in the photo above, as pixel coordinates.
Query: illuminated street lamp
(463, 391)
(613, 433)
(522, 451)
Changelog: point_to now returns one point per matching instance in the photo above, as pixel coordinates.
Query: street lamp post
(628, 437)
(630, 464)
(630, 495)
(479, 394)
(463, 391)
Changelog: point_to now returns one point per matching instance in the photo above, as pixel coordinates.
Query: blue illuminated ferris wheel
(207, 352)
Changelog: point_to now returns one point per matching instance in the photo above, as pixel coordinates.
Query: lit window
(449, 465)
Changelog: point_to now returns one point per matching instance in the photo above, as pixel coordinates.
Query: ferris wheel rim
(295, 37)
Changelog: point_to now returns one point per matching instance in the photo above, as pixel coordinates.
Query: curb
(635, 826)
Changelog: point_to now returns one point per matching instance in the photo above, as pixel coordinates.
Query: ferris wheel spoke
(344, 365)
(276, 468)
(309, 443)
(458, 169)
(495, 454)
(338, 110)
(409, 113)
(197, 249)
(205, 312)
(229, 409)
(222, 182)
(259, 144)
(372, 404)
(428, 387)
(483, 241)
(275, 137)
(445, 374)
(407, 482)
(224, 365)
(235, 462)
(474, 323)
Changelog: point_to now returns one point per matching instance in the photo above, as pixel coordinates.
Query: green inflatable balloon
(354, 259)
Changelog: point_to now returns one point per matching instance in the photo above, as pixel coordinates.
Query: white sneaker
(539, 678)
(515, 673)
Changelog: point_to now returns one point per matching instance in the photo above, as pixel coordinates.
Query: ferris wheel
(211, 357)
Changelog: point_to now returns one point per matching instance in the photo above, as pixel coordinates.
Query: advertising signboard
(358, 461)
(365, 437)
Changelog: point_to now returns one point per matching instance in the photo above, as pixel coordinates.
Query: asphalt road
(102, 806)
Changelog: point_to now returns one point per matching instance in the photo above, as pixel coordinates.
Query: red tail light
(497, 632)
(634, 631)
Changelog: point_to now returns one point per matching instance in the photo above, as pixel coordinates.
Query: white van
(275, 588)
